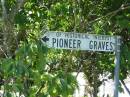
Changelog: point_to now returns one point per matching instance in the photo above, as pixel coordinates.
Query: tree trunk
(9, 43)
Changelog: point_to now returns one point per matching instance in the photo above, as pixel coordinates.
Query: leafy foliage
(28, 67)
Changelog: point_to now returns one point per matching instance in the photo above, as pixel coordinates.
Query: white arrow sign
(79, 41)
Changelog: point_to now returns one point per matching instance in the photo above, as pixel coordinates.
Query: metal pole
(117, 65)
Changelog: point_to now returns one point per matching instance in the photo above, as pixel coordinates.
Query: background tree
(28, 67)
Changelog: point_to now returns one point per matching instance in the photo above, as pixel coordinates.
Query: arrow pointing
(45, 39)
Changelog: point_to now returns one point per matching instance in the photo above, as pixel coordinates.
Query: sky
(106, 88)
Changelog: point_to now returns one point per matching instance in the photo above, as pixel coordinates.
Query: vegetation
(28, 67)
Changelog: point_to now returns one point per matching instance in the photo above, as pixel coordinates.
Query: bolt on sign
(79, 41)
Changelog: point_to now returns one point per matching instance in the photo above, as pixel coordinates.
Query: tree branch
(4, 52)
(16, 8)
(4, 12)
(39, 90)
(113, 13)
(79, 71)
(127, 89)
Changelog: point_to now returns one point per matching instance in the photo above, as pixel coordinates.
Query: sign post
(83, 41)
(117, 66)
